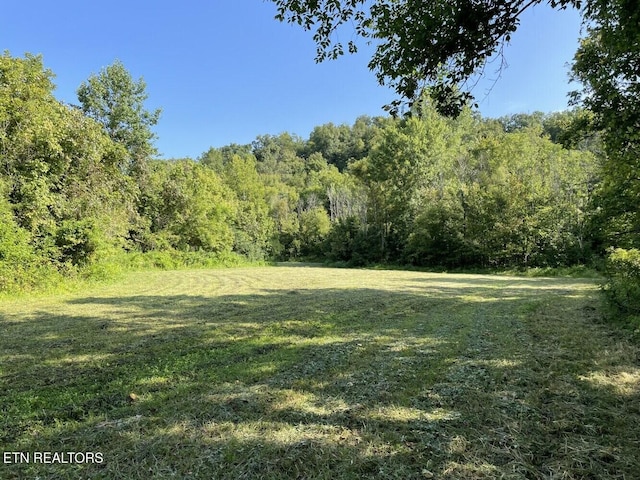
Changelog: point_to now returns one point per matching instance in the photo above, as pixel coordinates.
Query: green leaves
(189, 207)
(78, 241)
(116, 101)
(623, 280)
(607, 65)
(463, 192)
(437, 45)
(59, 173)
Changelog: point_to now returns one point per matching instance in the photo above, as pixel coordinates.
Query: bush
(22, 278)
(21, 269)
(349, 242)
(78, 241)
(622, 287)
(175, 260)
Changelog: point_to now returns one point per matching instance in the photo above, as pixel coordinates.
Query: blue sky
(224, 71)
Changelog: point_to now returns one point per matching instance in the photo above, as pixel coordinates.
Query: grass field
(318, 373)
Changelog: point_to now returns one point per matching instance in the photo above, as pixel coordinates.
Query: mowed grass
(318, 373)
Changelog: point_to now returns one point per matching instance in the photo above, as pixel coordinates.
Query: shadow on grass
(452, 378)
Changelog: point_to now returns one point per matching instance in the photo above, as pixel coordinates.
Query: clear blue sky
(225, 71)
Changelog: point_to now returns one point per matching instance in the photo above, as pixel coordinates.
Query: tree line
(79, 184)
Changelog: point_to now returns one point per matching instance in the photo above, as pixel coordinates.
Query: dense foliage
(64, 200)
(623, 286)
(426, 190)
(439, 46)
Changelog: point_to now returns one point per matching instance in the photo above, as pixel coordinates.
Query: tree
(607, 64)
(405, 157)
(330, 141)
(314, 227)
(59, 166)
(116, 101)
(520, 121)
(438, 44)
(342, 144)
(253, 227)
(190, 208)
(30, 150)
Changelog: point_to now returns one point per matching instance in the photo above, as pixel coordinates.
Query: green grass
(319, 373)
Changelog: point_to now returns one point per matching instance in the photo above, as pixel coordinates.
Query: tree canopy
(116, 101)
(439, 44)
(607, 64)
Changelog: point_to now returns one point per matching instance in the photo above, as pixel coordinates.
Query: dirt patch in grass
(307, 372)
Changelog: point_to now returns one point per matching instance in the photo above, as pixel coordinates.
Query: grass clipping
(301, 372)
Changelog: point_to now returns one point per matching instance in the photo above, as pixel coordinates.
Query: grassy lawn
(317, 373)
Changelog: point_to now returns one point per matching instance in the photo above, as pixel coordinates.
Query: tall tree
(116, 101)
(59, 167)
(608, 66)
(253, 228)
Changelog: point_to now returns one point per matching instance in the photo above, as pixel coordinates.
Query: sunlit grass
(625, 382)
(300, 372)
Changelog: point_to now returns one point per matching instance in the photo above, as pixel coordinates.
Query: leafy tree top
(116, 101)
(439, 44)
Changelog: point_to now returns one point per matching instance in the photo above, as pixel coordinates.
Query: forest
(81, 187)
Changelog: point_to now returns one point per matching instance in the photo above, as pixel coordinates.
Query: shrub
(622, 287)
(78, 241)
(349, 242)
